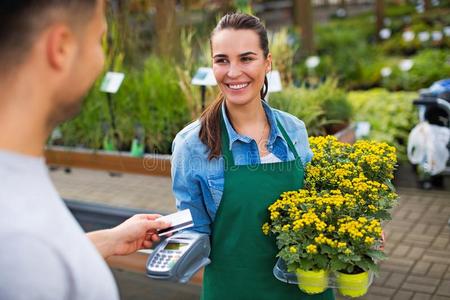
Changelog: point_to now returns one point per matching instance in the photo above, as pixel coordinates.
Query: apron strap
(225, 142)
(288, 139)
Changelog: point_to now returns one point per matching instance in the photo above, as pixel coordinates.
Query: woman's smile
(237, 86)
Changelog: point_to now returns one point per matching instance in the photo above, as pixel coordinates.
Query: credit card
(179, 220)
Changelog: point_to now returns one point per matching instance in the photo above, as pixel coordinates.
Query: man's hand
(136, 233)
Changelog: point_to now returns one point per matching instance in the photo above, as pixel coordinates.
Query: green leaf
(327, 249)
(292, 267)
(322, 261)
(344, 258)
(363, 264)
(337, 265)
(306, 264)
(383, 215)
(355, 257)
(376, 254)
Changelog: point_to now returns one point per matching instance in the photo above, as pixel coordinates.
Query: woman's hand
(138, 232)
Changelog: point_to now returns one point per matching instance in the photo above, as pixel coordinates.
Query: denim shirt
(198, 183)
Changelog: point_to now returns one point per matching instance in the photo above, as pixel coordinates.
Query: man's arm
(138, 232)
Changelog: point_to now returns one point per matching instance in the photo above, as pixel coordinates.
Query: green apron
(242, 256)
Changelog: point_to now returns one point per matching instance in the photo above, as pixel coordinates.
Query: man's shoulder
(32, 267)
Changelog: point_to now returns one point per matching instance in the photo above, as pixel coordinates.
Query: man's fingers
(147, 244)
(150, 217)
(154, 225)
(155, 238)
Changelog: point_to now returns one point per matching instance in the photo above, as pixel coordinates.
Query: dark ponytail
(210, 118)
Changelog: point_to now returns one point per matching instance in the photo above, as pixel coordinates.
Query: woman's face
(239, 65)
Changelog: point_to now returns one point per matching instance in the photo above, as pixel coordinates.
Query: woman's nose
(234, 71)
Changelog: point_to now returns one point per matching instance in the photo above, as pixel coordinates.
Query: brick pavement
(418, 237)
(126, 190)
(418, 245)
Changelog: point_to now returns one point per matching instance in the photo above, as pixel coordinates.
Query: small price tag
(205, 77)
(112, 82)
(274, 81)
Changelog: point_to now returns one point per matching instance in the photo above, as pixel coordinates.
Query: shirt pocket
(216, 186)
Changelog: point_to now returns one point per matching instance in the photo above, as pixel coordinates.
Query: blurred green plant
(319, 108)
(244, 6)
(428, 66)
(195, 53)
(390, 114)
(184, 71)
(152, 98)
(344, 49)
(283, 51)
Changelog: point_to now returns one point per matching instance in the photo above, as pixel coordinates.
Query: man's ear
(60, 46)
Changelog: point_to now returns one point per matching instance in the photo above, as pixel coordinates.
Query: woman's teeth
(237, 86)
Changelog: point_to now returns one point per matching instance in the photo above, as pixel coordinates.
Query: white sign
(406, 65)
(437, 36)
(341, 13)
(112, 82)
(385, 33)
(408, 36)
(362, 129)
(274, 79)
(312, 62)
(423, 36)
(420, 8)
(386, 72)
(204, 76)
(447, 30)
(56, 134)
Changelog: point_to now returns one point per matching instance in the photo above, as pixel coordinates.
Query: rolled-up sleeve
(186, 188)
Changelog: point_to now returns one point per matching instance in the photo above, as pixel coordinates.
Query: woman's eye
(246, 59)
(220, 61)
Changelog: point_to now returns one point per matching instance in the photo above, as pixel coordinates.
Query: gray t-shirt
(44, 253)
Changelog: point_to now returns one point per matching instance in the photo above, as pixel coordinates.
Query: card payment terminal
(179, 257)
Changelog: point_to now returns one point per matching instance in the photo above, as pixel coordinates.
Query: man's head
(55, 44)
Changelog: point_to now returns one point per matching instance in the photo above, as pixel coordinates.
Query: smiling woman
(231, 164)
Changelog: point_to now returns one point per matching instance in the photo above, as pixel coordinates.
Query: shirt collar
(234, 136)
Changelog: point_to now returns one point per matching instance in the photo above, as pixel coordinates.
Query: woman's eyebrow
(240, 55)
(247, 53)
(220, 56)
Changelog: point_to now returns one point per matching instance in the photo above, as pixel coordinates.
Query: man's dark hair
(22, 20)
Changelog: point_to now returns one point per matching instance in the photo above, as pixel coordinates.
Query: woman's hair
(210, 118)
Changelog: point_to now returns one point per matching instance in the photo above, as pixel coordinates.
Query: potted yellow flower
(333, 224)
(296, 228)
(356, 254)
(361, 171)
